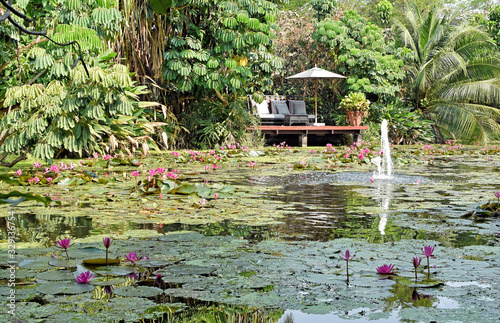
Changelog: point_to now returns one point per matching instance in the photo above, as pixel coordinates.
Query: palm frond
(465, 121)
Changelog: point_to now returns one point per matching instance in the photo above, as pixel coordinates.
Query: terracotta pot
(355, 117)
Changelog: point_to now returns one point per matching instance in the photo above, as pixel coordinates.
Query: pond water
(274, 243)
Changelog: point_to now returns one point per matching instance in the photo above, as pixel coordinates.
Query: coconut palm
(455, 72)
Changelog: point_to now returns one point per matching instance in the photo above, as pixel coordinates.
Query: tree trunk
(12, 163)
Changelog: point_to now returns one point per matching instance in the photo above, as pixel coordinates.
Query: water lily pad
(19, 274)
(21, 293)
(64, 263)
(115, 271)
(187, 293)
(182, 270)
(85, 252)
(131, 303)
(101, 261)
(154, 263)
(56, 275)
(41, 263)
(138, 291)
(62, 288)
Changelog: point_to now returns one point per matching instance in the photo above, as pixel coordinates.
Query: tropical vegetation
(176, 73)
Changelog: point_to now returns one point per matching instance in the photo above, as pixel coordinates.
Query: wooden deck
(303, 131)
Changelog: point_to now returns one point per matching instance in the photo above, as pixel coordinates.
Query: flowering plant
(355, 101)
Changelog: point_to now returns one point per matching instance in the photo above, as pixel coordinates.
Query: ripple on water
(314, 178)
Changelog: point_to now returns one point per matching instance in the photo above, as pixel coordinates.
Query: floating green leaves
(138, 291)
(64, 288)
(56, 275)
(102, 261)
(115, 271)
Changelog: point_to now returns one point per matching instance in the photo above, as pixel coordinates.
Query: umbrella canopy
(316, 73)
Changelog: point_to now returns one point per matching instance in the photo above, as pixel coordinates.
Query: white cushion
(262, 108)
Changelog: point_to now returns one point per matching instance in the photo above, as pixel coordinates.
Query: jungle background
(166, 74)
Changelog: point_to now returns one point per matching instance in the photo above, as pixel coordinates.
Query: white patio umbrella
(316, 73)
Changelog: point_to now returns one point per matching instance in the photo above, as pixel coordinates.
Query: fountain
(384, 164)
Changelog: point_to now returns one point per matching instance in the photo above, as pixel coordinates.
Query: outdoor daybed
(276, 109)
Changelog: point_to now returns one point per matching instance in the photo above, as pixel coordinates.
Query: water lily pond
(259, 235)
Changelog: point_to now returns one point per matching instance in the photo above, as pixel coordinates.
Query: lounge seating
(276, 109)
(264, 113)
(299, 107)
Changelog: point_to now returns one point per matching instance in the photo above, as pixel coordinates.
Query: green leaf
(185, 189)
(6, 198)
(160, 6)
(6, 178)
(58, 288)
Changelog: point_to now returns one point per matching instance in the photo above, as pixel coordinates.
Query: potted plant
(356, 105)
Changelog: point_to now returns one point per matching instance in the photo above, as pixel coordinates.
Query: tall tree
(454, 75)
(49, 104)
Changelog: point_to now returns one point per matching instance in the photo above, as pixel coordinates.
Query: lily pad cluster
(272, 275)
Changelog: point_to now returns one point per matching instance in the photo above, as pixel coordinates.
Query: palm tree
(455, 72)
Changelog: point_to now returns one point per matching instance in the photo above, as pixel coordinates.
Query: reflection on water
(45, 229)
(384, 196)
(317, 206)
(355, 316)
(321, 212)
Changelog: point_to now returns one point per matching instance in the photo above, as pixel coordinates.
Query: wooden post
(303, 140)
(356, 137)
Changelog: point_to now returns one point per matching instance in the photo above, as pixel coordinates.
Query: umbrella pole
(316, 101)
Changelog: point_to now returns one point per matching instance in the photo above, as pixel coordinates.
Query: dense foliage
(97, 114)
(454, 74)
(361, 52)
(201, 58)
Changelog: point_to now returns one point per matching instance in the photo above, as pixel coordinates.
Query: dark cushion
(274, 109)
(299, 107)
(282, 108)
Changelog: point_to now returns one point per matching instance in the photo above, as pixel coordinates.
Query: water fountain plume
(384, 163)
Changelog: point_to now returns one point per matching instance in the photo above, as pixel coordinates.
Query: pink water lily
(84, 278)
(107, 157)
(347, 257)
(64, 244)
(55, 169)
(107, 243)
(160, 170)
(34, 179)
(152, 172)
(135, 174)
(497, 195)
(385, 269)
(36, 165)
(19, 172)
(416, 263)
(427, 251)
(132, 257)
